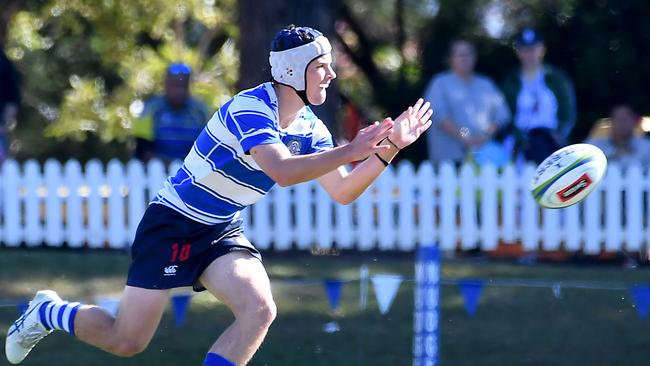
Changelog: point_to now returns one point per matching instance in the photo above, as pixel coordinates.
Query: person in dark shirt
(541, 98)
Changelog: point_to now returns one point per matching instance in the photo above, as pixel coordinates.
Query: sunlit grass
(513, 325)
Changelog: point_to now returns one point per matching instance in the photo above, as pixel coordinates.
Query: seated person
(622, 146)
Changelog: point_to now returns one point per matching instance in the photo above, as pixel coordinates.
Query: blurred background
(85, 67)
(554, 287)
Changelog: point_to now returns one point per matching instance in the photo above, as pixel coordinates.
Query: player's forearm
(301, 168)
(362, 176)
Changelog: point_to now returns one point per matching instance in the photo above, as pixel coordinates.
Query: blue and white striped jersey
(218, 177)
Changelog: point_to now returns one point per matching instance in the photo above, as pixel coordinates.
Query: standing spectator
(542, 99)
(622, 146)
(9, 101)
(469, 108)
(170, 123)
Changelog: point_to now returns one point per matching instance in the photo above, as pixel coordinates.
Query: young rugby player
(191, 233)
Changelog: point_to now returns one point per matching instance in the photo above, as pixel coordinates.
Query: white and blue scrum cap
(292, 49)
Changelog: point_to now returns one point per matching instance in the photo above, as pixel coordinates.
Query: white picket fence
(100, 206)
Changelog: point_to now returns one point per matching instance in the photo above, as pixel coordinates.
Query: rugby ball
(568, 175)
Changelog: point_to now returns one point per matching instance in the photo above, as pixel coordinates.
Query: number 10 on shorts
(180, 252)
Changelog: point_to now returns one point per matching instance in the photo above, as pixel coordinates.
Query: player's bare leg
(128, 334)
(240, 281)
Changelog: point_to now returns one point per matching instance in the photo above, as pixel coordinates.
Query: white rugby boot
(28, 329)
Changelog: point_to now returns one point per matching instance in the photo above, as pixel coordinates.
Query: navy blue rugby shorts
(171, 250)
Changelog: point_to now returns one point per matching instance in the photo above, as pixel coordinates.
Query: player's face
(318, 78)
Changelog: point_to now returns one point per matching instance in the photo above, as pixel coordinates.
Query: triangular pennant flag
(641, 296)
(22, 307)
(180, 304)
(386, 286)
(471, 291)
(110, 304)
(333, 291)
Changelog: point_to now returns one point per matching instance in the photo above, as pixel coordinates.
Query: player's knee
(129, 347)
(262, 312)
(269, 312)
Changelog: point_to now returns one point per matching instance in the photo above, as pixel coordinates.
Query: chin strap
(302, 93)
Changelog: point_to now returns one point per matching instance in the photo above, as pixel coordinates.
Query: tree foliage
(398, 45)
(86, 64)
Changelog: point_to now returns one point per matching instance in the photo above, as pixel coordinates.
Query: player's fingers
(416, 122)
(370, 127)
(364, 129)
(386, 124)
(380, 148)
(424, 127)
(418, 104)
(377, 136)
(422, 110)
(426, 116)
(384, 134)
(408, 112)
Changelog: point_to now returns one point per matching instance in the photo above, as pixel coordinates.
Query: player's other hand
(410, 125)
(367, 139)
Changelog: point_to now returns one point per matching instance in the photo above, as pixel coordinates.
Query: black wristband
(381, 159)
(392, 143)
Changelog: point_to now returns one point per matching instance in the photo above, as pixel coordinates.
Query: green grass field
(513, 325)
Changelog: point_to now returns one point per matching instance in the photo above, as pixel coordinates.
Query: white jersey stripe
(248, 163)
(218, 178)
(227, 187)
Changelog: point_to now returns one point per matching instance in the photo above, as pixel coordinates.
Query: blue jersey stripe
(232, 151)
(165, 202)
(181, 177)
(195, 191)
(205, 203)
(194, 195)
(217, 178)
(221, 161)
(258, 179)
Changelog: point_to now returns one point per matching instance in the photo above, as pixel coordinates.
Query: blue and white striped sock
(213, 359)
(59, 315)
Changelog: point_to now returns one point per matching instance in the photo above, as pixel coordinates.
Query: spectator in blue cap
(170, 123)
(542, 100)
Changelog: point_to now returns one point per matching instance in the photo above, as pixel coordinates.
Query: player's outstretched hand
(367, 139)
(410, 125)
